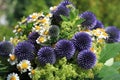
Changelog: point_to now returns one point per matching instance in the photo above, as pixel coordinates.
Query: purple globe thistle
(65, 48)
(6, 48)
(46, 55)
(98, 25)
(90, 19)
(82, 41)
(86, 59)
(113, 33)
(61, 10)
(24, 50)
(32, 37)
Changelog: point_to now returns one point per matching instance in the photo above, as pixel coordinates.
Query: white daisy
(13, 76)
(36, 28)
(31, 73)
(24, 65)
(33, 17)
(41, 39)
(49, 15)
(12, 59)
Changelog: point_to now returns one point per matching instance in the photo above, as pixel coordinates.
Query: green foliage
(110, 72)
(110, 51)
(61, 71)
(106, 10)
(5, 32)
(70, 24)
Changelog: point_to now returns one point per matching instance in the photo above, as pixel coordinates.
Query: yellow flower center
(49, 15)
(41, 39)
(105, 34)
(100, 40)
(37, 27)
(92, 49)
(19, 30)
(19, 68)
(13, 78)
(43, 20)
(46, 33)
(24, 65)
(33, 72)
(34, 16)
(12, 57)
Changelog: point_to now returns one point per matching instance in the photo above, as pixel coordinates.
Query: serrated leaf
(79, 21)
(110, 51)
(72, 16)
(64, 18)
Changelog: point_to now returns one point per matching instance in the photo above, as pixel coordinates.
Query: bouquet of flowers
(61, 44)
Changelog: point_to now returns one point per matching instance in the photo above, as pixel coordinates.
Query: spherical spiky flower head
(54, 31)
(86, 59)
(82, 41)
(32, 37)
(61, 10)
(24, 50)
(6, 48)
(46, 55)
(113, 33)
(64, 48)
(90, 19)
(98, 25)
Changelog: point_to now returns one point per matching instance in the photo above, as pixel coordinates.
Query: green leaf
(116, 65)
(110, 50)
(110, 72)
(79, 21)
(64, 18)
(72, 15)
(112, 77)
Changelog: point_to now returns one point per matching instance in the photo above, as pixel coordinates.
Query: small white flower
(33, 17)
(49, 15)
(53, 8)
(13, 76)
(36, 28)
(31, 73)
(12, 59)
(41, 39)
(24, 65)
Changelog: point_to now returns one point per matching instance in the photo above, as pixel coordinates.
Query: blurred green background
(11, 11)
